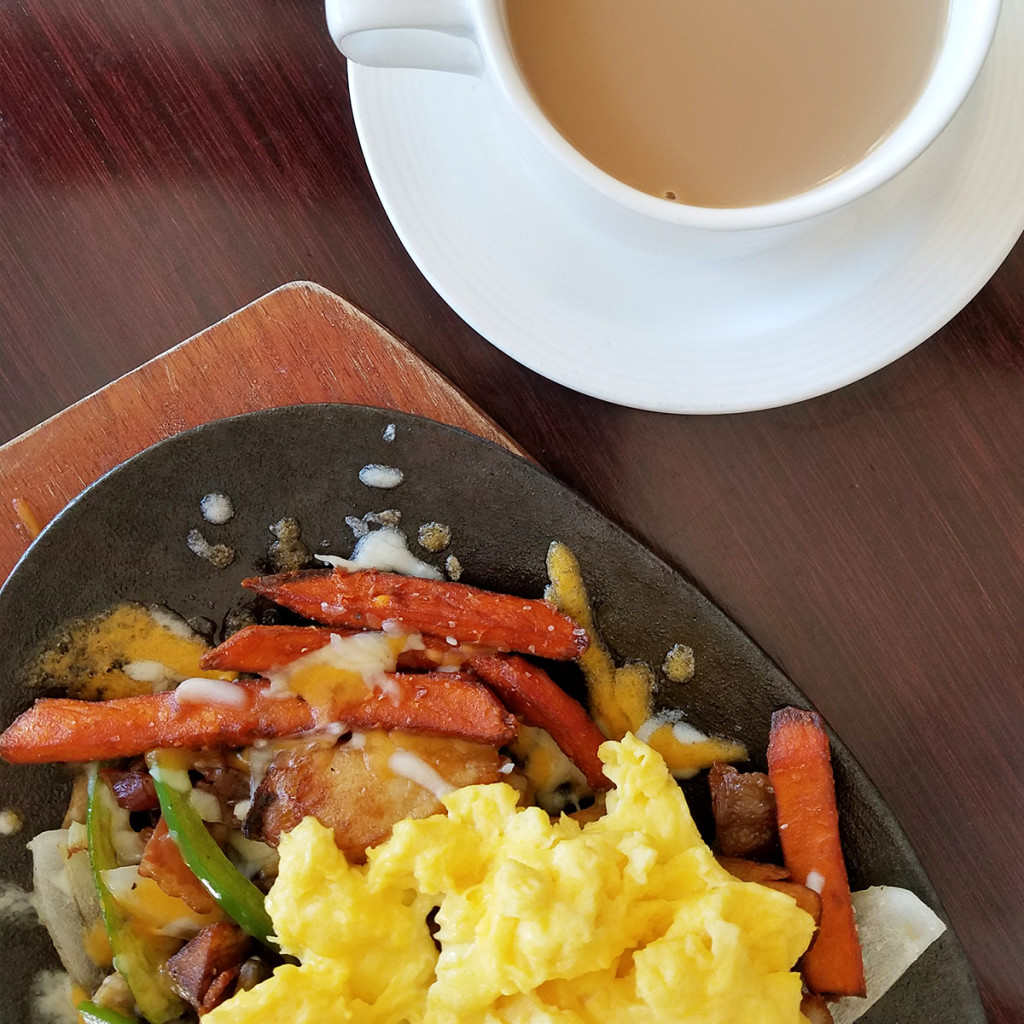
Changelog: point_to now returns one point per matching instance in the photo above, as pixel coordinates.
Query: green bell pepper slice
(139, 957)
(235, 894)
(90, 1013)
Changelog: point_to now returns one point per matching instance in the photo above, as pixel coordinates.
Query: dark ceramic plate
(124, 538)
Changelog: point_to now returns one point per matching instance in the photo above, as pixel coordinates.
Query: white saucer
(666, 327)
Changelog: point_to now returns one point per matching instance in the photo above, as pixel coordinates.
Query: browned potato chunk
(743, 804)
(357, 789)
(774, 877)
(205, 969)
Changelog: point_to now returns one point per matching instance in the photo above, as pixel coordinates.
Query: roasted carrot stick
(533, 695)
(444, 703)
(800, 770)
(260, 649)
(367, 599)
(59, 729)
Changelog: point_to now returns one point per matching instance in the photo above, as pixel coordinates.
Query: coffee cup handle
(436, 35)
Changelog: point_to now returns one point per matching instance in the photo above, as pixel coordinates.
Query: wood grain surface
(298, 344)
(161, 165)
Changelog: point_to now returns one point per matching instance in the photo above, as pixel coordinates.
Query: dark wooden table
(161, 164)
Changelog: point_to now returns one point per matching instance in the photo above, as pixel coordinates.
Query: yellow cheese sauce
(126, 650)
(347, 668)
(625, 918)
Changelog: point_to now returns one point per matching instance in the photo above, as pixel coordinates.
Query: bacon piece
(259, 649)
(367, 599)
(743, 804)
(800, 769)
(134, 791)
(162, 861)
(58, 729)
(532, 694)
(205, 968)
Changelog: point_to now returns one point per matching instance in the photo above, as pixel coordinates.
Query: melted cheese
(345, 669)
(385, 549)
(122, 652)
(197, 690)
(407, 765)
(382, 477)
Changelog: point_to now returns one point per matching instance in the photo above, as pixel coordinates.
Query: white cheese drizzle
(156, 673)
(682, 731)
(11, 822)
(216, 508)
(407, 765)
(382, 477)
(206, 805)
(815, 881)
(384, 549)
(369, 655)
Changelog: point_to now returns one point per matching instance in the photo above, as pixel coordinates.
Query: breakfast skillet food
(126, 537)
(454, 838)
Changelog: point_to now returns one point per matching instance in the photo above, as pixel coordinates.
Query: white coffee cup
(470, 37)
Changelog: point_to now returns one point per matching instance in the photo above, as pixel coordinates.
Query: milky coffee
(725, 102)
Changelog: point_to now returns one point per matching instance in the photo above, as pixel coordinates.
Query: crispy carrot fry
(262, 648)
(59, 729)
(533, 695)
(368, 599)
(445, 703)
(800, 770)
(259, 649)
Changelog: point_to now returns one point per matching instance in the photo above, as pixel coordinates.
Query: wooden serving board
(297, 344)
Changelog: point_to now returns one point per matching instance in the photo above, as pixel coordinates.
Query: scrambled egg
(626, 919)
